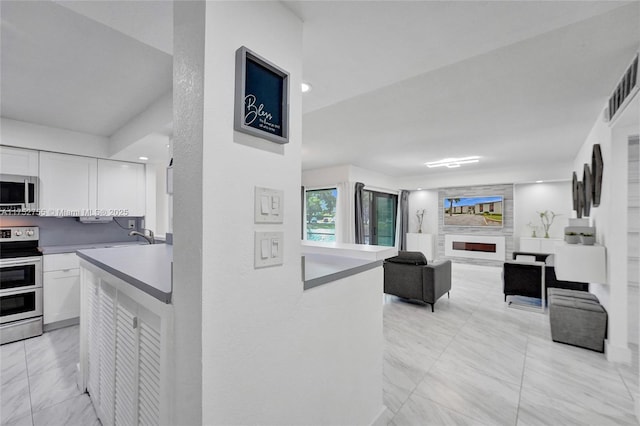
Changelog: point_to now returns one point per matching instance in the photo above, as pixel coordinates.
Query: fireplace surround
(474, 246)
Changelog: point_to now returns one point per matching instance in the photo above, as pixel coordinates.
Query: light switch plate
(269, 247)
(268, 205)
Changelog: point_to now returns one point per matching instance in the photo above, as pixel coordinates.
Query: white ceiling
(395, 84)
(65, 70)
(398, 84)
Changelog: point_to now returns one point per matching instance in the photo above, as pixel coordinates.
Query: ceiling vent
(625, 90)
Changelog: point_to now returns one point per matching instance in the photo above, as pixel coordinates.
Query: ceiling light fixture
(539, 181)
(419, 189)
(305, 87)
(452, 163)
(143, 158)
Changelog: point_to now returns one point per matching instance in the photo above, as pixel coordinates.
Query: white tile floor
(38, 382)
(472, 361)
(476, 361)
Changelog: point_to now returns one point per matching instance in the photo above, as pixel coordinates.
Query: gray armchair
(408, 276)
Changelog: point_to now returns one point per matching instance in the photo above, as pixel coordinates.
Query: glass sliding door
(379, 210)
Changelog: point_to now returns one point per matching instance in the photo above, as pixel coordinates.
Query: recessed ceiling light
(168, 146)
(452, 163)
(419, 189)
(539, 181)
(143, 158)
(305, 87)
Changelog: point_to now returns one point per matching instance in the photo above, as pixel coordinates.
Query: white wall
(535, 197)
(157, 116)
(428, 200)
(45, 138)
(271, 353)
(325, 177)
(610, 220)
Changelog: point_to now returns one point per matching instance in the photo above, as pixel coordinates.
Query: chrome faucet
(150, 238)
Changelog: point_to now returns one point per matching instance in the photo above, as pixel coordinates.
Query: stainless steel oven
(20, 284)
(19, 193)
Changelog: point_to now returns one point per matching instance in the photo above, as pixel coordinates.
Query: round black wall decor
(596, 174)
(588, 189)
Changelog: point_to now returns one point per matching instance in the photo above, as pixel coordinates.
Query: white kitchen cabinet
(17, 161)
(68, 184)
(538, 245)
(72, 185)
(61, 288)
(124, 351)
(121, 188)
(423, 243)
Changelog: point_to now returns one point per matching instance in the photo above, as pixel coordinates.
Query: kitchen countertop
(146, 267)
(326, 262)
(76, 247)
(322, 268)
(359, 251)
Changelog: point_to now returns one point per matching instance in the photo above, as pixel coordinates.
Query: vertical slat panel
(107, 358)
(93, 330)
(149, 369)
(125, 363)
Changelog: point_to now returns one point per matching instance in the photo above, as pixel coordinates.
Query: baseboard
(383, 417)
(61, 324)
(617, 353)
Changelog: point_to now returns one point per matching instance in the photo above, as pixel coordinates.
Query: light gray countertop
(322, 268)
(146, 267)
(75, 247)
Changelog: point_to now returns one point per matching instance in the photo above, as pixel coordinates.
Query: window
(379, 218)
(320, 208)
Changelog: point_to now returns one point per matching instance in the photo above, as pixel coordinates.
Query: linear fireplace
(484, 247)
(475, 246)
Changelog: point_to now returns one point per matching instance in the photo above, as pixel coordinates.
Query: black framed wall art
(596, 173)
(588, 189)
(261, 98)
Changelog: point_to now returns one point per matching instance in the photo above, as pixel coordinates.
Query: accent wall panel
(506, 231)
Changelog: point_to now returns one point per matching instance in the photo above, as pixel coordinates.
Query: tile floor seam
(624, 382)
(524, 366)
(427, 372)
(26, 370)
(429, 369)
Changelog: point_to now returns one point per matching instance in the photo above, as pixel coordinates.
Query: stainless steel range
(20, 284)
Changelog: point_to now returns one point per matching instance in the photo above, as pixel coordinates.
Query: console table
(539, 245)
(422, 243)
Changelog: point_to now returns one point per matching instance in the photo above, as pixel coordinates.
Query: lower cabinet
(538, 245)
(423, 243)
(60, 288)
(125, 362)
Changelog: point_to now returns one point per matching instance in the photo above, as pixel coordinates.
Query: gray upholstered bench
(577, 318)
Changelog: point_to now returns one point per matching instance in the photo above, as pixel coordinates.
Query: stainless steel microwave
(19, 193)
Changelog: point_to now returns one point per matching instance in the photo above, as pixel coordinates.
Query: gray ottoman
(561, 292)
(577, 319)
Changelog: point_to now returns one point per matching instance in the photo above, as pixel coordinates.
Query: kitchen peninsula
(325, 262)
(126, 332)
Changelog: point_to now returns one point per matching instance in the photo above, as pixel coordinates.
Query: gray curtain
(403, 226)
(359, 214)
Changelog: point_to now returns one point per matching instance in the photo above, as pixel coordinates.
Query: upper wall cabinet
(16, 161)
(68, 184)
(121, 188)
(71, 185)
